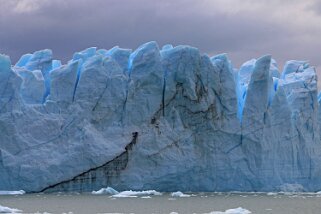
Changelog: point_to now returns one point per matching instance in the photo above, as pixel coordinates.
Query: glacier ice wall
(167, 119)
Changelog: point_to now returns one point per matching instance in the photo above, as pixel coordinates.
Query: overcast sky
(245, 29)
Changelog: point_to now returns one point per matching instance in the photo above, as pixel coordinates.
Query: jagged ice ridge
(166, 119)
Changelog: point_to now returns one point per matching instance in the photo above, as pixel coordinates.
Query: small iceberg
(271, 193)
(9, 210)
(146, 197)
(105, 191)
(19, 192)
(134, 194)
(238, 210)
(180, 194)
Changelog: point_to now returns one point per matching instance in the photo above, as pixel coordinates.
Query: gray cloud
(315, 7)
(243, 29)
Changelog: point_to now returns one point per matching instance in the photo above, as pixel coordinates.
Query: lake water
(260, 203)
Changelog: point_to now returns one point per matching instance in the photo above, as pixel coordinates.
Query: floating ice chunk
(238, 210)
(19, 192)
(9, 210)
(272, 193)
(134, 194)
(105, 191)
(318, 194)
(180, 194)
(146, 197)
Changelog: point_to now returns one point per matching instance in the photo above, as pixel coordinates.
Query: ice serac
(145, 86)
(243, 78)
(256, 103)
(121, 56)
(33, 86)
(42, 60)
(169, 119)
(62, 84)
(9, 86)
(226, 94)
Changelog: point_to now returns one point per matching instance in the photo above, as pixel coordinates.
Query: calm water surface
(199, 203)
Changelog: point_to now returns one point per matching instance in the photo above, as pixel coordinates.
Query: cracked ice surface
(170, 119)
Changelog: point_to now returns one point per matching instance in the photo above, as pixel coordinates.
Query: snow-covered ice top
(166, 119)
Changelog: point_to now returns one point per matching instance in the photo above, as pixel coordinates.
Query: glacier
(168, 119)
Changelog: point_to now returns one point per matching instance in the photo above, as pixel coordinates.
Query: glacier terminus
(167, 119)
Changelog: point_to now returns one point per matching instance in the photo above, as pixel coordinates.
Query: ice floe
(238, 210)
(105, 191)
(4, 209)
(179, 194)
(134, 194)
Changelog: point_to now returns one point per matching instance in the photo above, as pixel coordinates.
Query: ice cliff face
(170, 119)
